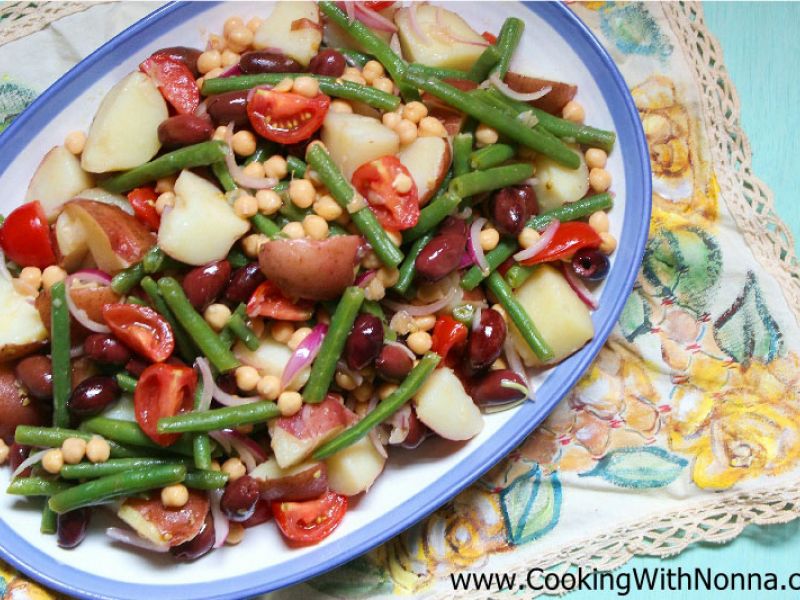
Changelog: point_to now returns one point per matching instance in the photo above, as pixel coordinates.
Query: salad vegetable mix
(269, 264)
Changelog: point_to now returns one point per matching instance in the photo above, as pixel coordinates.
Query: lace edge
(20, 19)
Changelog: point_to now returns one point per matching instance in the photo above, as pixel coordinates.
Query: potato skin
(16, 406)
(311, 269)
(553, 101)
(308, 484)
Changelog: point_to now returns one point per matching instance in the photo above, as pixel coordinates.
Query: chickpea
(245, 206)
(216, 42)
(375, 290)
(4, 451)
(284, 85)
(344, 381)
(415, 111)
(528, 237)
(73, 450)
(275, 166)
(596, 158)
(32, 276)
(230, 58)
(232, 23)
(281, 331)
(208, 61)
(407, 132)
(608, 243)
(306, 86)
(254, 23)
(419, 342)
(388, 276)
(254, 169)
(247, 378)
(431, 127)
(485, 135)
(383, 84)
(599, 221)
(52, 275)
(165, 184)
(315, 227)
(215, 466)
(573, 111)
(489, 238)
(402, 183)
(98, 450)
(235, 534)
(363, 392)
(371, 261)
(217, 315)
(164, 201)
(294, 230)
(302, 193)
(174, 496)
(289, 403)
(395, 236)
(372, 71)
(75, 142)
(501, 311)
(386, 390)
(234, 468)
(269, 387)
(269, 201)
(599, 179)
(53, 460)
(341, 106)
(252, 244)
(244, 142)
(425, 323)
(353, 78)
(240, 38)
(327, 208)
(392, 119)
(219, 134)
(297, 338)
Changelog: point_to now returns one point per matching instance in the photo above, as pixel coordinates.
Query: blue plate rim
(63, 578)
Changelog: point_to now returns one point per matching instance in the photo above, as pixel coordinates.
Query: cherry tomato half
(489, 37)
(306, 523)
(142, 329)
(269, 301)
(449, 339)
(175, 82)
(568, 239)
(375, 181)
(143, 201)
(163, 391)
(25, 237)
(377, 4)
(285, 117)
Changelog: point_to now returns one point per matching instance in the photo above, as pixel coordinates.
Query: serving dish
(556, 45)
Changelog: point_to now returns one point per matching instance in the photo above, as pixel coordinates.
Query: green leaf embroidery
(531, 506)
(14, 98)
(639, 468)
(746, 330)
(360, 578)
(635, 317)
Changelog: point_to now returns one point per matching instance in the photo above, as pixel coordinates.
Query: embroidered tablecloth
(686, 428)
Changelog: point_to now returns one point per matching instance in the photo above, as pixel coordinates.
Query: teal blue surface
(762, 53)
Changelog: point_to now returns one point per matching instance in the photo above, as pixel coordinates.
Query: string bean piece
(264, 149)
(59, 353)
(128, 432)
(88, 470)
(266, 226)
(136, 300)
(153, 260)
(227, 336)
(223, 175)
(201, 443)
(478, 182)
(293, 212)
(36, 486)
(237, 258)
(296, 166)
(228, 417)
(126, 382)
(243, 332)
(343, 193)
(327, 85)
(185, 347)
(384, 409)
(569, 212)
(409, 267)
(197, 155)
(507, 42)
(491, 156)
(53, 437)
(49, 523)
(518, 274)
(204, 479)
(502, 122)
(483, 66)
(462, 148)
(122, 484)
(372, 44)
(324, 365)
(519, 316)
(195, 325)
(127, 279)
(443, 72)
(437, 211)
(354, 58)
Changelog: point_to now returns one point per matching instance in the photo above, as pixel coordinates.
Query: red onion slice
(466, 259)
(578, 287)
(208, 384)
(227, 399)
(202, 109)
(4, 272)
(476, 318)
(502, 86)
(514, 360)
(475, 245)
(231, 71)
(250, 453)
(33, 459)
(244, 441)
(376, 442)
(305, 354)
(418, 310)
(400, 423)
(364, 278)
(133, 539)
(221, 523)
(414, 22)
(80, 315)
(373, 19)
(238, 174)
(540, 244)
(349, 8)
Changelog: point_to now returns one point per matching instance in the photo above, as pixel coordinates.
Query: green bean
(343, 193)
(354, 58)
(127, 279)
(409, 267)
(227, 336)
(384, 409)
(128, 432)
(518, 274)
(520, 317)
(153, 260)
(36, 486)
(201, 443)
(126, 382)
(243, 332)
(53, 437)
(503, 123)
(491, 156)
(88, 470)
(372, 44)
(437, 211)
(204, 479)
(507, 42)
(228, 417)
(201, 333)
(335, 229)
(443, 72)
(478, 182)
(237, 258)
(463, 313)
(327, 85)
(266, 226)
(122, 484)
(198, 155)
(293, 212)
(49, 523)
(137, 301)
(507, 247)
(185, 347)
(296, 166)
(59, 353)
(264, 150)
(485, 63)
(223, 175)
(324, 365)
(462, 147)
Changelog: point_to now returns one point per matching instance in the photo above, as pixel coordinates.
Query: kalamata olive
(364, 342)
(184, 130)
(16, 454)
(253, 63)
(204, 284)
(199, 545)
(244, 282)
(136, 366)
(486, 340)
(261, 514)
(231, 106)
(227, 383)
(106, 349)
(36, 374)
(240, 498)
(329, 62)
(590, 264)
(183, 54)
(71, 527)
(509, 210)
(393, 364)
(498, 388)
(417, 432)
(440, 257)
(93, 395)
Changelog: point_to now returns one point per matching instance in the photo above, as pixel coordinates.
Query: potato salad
(267, 265)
